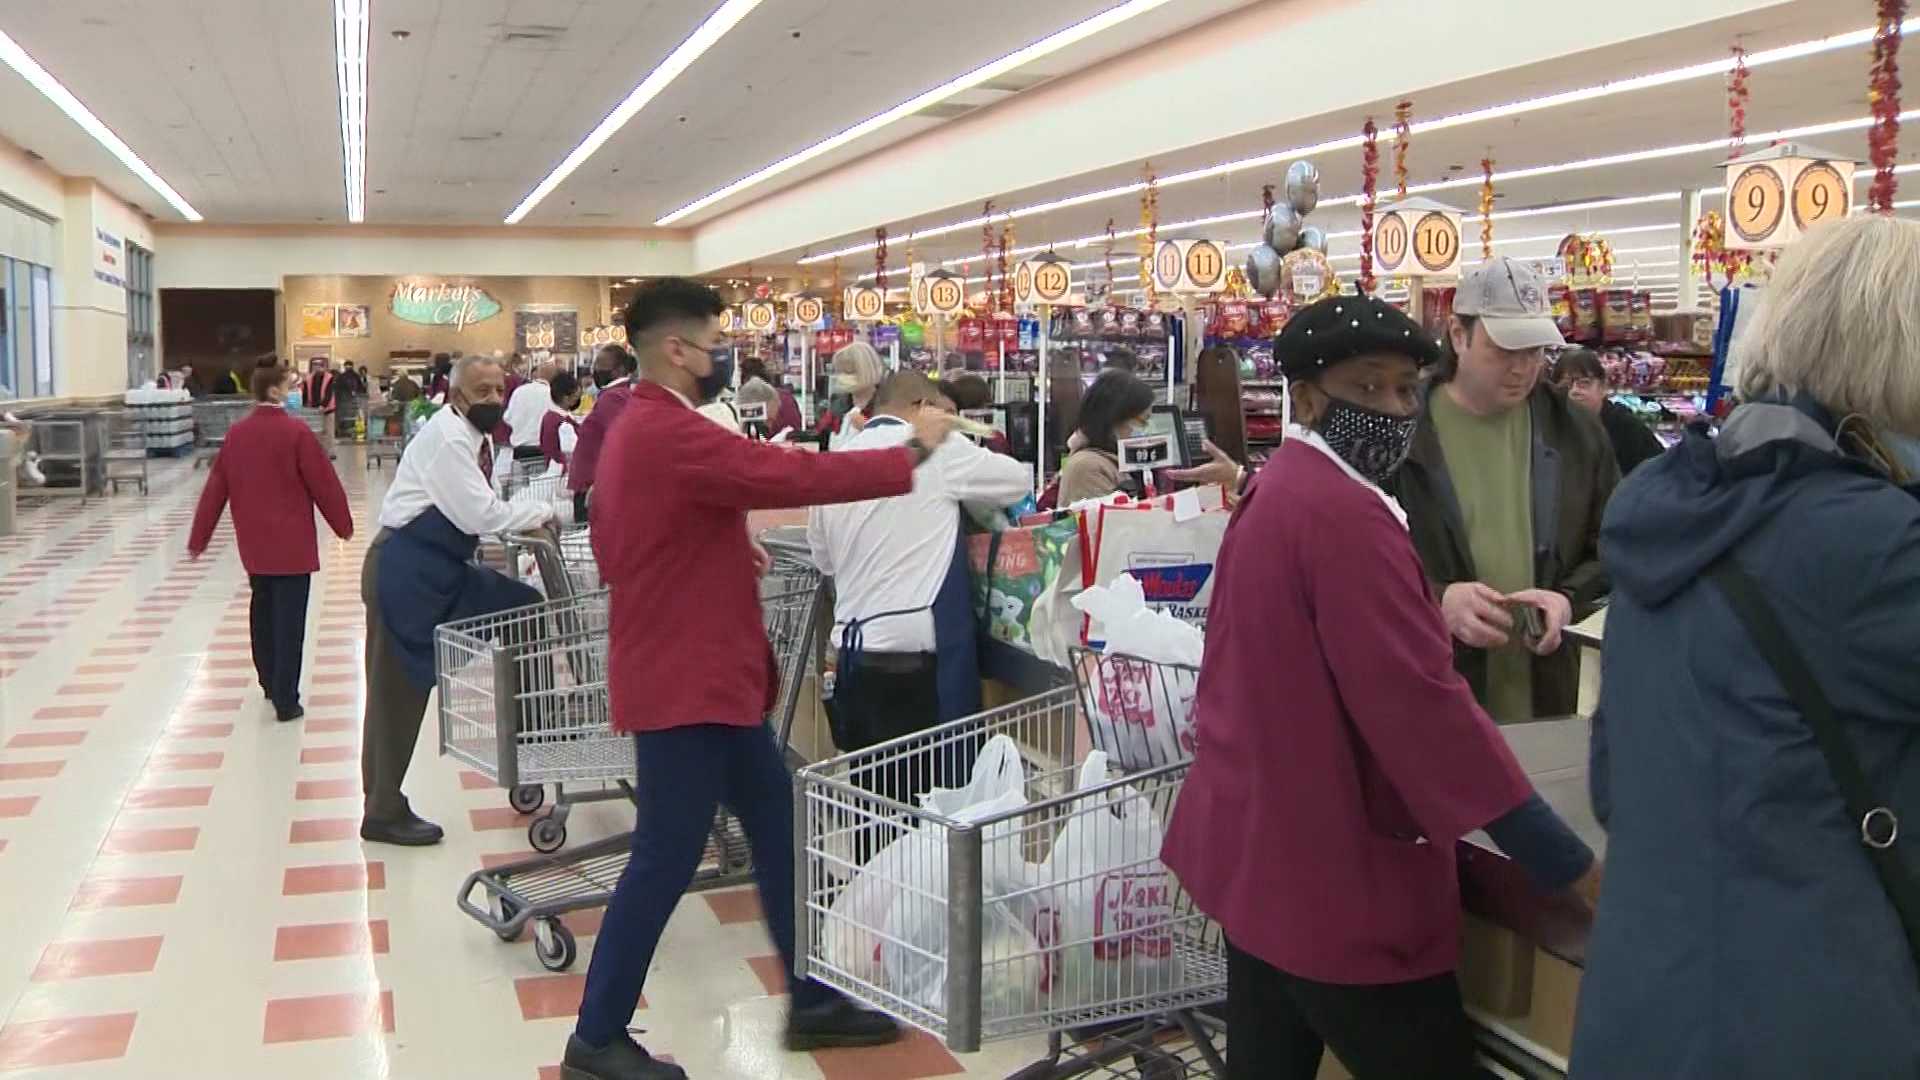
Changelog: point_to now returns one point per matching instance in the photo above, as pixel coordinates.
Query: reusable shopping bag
(1171, 554)
(1011, 569)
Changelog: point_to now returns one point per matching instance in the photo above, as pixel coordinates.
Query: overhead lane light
(704, 37)
(351, 20)
(1013, 61)
(1718, 67)
(51, 88)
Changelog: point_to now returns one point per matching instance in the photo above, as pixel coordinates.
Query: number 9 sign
(1756, 203)
(1820, 194)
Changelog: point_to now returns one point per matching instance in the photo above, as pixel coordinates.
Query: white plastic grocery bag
(1140, 694)
(1108, 923)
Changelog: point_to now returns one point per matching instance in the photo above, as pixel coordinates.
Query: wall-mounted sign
(594, 337)
(1774, 195)
(109, 259)
(458, 306)
(864, 303)
(759, 317)
(806, 311)
(1418, 238)
(1189, 266)
(545, 327)
(1046, 280)
(946, 293)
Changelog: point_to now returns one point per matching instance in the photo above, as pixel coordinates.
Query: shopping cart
(501, 743)
(211, 420)
(977, 942)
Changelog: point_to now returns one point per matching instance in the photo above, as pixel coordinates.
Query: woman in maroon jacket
(275, 472)
(1340, 755)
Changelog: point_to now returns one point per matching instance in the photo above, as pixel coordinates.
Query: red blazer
(274, 471)
(607, 408)
(1334, 735)
(685, 640)
(550, 425)
(318, 393)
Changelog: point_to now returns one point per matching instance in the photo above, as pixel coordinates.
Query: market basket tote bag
(1879, 827)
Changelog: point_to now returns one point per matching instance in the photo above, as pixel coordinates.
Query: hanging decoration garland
(1369, 181)
(1402, 139)
(1486, 208)
(1883, 95)
(1006, 280)
(839, 293)
(1112, 239)
(987, 243)
(1149, 232)
(880, 259)
(1737, 95)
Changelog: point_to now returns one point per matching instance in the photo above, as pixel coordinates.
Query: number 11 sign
(1774, 195)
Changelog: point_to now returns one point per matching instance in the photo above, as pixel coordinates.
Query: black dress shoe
(409, 831)
(839, 1023)
(621, 1059)
(286, 715)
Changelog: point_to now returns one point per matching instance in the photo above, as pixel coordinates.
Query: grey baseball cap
(1510, 300)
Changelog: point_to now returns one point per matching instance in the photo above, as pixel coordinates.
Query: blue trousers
(683, 775)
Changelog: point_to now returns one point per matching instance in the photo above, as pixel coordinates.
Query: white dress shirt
(893, 554)
(441, 467)
(530, 402)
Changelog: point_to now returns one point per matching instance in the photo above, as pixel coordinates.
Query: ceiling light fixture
(1046, 46)
(1495, 112)
(704, 37)
(40, 79)
(351, 21)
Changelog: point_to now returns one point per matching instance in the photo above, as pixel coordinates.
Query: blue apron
(427, 576)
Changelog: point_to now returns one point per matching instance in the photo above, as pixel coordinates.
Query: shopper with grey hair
(1755, 747)
(857, 373)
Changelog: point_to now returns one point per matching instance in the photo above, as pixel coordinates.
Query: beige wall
(587, 295)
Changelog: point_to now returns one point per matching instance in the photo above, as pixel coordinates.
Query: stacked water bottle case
(165, 419)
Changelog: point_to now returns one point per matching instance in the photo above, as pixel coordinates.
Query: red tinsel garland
(1486, 208)
(880, 259)
(1006, 280)
(1112, 239)
(1369, 180)
(1883, 95)
(1402, 139)
(1737, 95)
(986, 249)
(1149, 233)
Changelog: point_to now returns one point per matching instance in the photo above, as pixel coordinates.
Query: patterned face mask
(1373, 442)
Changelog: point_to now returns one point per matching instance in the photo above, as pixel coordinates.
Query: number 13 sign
(1774, 195)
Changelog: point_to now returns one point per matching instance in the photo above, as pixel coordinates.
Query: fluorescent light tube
(351, 20)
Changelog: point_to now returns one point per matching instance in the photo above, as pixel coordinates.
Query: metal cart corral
(126, 455)
(211, 420)
(972, 947)
(72, 447)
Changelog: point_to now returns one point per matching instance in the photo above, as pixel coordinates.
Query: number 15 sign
(1774, 195)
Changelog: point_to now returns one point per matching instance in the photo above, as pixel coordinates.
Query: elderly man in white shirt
(903, 614)
(420, 572)
(531, 402)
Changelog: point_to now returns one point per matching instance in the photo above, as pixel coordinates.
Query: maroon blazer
(685, 639)
(319, 391)
(1340, 755)
(585, 466)
(550, 426)
(275, 472)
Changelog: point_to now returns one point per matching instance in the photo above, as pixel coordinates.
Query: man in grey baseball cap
(1504, 491)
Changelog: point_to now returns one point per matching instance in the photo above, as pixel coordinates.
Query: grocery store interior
(368, 215)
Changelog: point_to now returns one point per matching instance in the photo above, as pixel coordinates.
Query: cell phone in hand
(1529, 624)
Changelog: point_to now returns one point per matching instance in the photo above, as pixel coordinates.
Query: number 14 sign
(1774, 195)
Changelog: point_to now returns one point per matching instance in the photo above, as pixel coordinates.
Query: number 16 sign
(1774, 195)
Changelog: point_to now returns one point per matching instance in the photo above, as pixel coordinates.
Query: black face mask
(485, 417)
(1374, 443)
(602, 377)
(719, 378)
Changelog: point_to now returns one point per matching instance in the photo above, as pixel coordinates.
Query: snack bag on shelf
(1560, 302)
(1641, 309)
(1586, 315)
(1616, 316)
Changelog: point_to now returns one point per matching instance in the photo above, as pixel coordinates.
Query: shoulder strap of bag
(1879, 827)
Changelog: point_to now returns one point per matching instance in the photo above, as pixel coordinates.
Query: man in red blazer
(613, 372)
(691, 674)
(275, 472)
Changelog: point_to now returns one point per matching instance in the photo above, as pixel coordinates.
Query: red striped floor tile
(323, 755)
(202, 762)
(333, 878)
(334, 659)
(224, 682)
(332, 726)
(586, 923)
(30, 770)
(543, 997)
(771, 971)
(106, 669)
(70, 712)
(123, 650)
(494, 818)
(473, 781)
(916, 1056)
(83, 688)
(230, 663)
(327, 1016)
(26, 639)
(320, 830)
(491, 860)
(151, 622)
(335, 677)
(229, 646)
(35, 739)
(212, 704)
(86, 959)
(41, 624)
(69, 1040)
(17, 655)
(333, 699)
(112, 892)
(168, 798)
(127, 841)
(199, 731)
(316, 941)
(732, 906)
(136, 635)
(346, 787)
(17, 806)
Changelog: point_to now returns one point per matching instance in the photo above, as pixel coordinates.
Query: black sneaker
(409, 831)
(839, 1023)
(289, 715)
(621, 1059)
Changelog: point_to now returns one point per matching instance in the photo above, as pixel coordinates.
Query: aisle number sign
(806, 311)
(1189, 266)
(1774, 195)
(1043, 281)
(946, 293)
(1417, 238)
(864, 303)
(759, 317)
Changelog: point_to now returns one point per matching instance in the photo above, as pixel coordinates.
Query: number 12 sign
(1774, 195)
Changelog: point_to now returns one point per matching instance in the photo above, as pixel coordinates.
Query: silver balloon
(1313, 236)
(1303, 187)
(1263, 270)
(1283, 229)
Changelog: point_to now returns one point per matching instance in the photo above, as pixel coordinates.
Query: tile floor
(182, 889)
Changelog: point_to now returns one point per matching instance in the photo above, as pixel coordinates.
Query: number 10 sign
(1417, 238)
(1774, 195)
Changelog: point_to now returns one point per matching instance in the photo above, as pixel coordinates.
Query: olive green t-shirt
(1490, 459)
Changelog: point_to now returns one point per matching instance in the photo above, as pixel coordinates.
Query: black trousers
(529, 453)
(277, 619)
(395, 706)
(1278, 1025)
(888, 697)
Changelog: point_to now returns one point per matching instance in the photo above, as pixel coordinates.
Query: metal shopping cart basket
(965, 928)
(211, 419)
(542, 889)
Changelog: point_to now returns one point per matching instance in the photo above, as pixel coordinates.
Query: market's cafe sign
(458, 306)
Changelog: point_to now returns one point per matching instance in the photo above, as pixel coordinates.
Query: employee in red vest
(692, 674)
(274, 472)
(319, 392)
(559, 430)
(613, 372)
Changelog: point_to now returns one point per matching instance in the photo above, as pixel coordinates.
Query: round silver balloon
(1283, 229)
(1303, 187)
(1313, 236)
(1263, 270)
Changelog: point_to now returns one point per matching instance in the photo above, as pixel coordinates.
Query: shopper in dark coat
(1580, 376)
(1742, 931)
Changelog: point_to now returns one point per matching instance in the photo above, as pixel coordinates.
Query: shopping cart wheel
(527, 797)
(553, 944)
(503, 910)
(546, 834)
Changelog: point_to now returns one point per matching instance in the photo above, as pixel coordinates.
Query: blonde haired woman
(1758, 737)
(857, 373)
